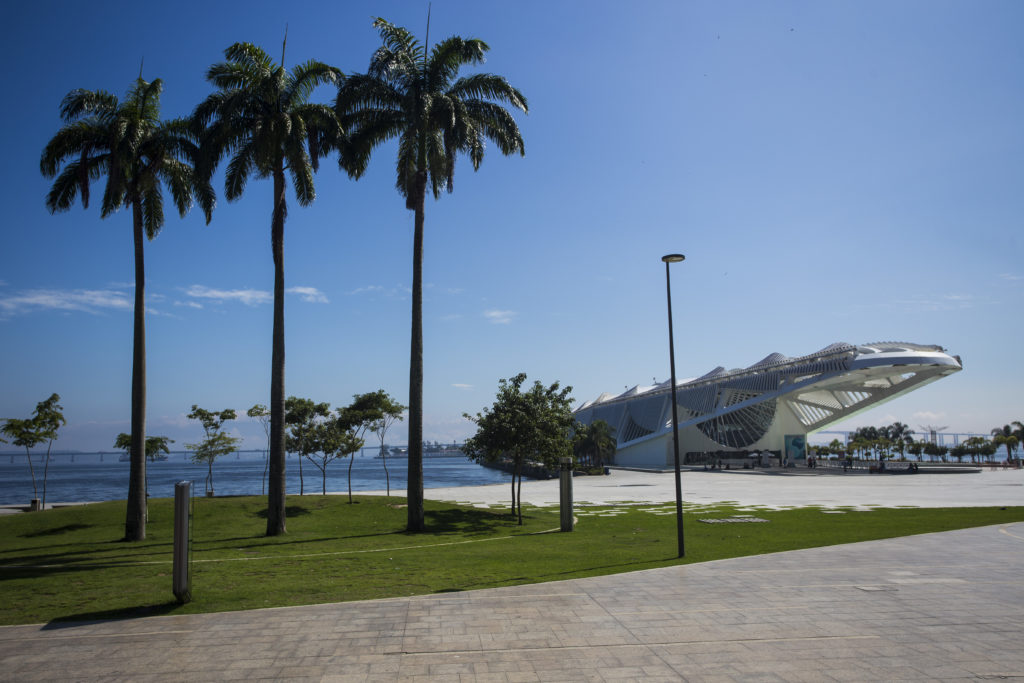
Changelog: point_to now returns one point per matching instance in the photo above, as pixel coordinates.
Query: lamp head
(673, 258)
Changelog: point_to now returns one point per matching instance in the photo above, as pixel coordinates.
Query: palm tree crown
(138, 153)
(260, 116)
(127, 142)
(416, 98)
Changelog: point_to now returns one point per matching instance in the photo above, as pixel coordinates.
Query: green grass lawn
(69, 564)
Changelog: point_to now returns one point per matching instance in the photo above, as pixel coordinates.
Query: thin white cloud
(310, 295)
(1010, 277)
(498, 317)
(368, 288)
(462, 386)
(249, 297)
(85, 300)
(945, 302)
(190, 304)
(397, 291)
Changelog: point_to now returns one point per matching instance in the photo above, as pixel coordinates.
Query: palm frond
(449, 56)
(180, 179)
(305, 77)
(488, 86)
(64, 189)
(301, 172)
(251, 57)
(94, 102)
(152, 210)
(497, 125)
(239, 168)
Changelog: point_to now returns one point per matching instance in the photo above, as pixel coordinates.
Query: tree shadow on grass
(136, 612)
(468, 521)
(57, 530)
(289, 511)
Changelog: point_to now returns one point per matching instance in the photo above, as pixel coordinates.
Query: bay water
(90, 477)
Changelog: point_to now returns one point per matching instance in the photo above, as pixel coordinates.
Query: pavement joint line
(611, 646)
(74, 636)
(714, 610)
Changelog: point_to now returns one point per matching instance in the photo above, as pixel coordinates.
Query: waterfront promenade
(947, 606)
(772, 488)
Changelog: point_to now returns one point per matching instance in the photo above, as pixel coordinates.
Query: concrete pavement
(770, 488)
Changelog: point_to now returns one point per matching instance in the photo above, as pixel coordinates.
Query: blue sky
(833, 171)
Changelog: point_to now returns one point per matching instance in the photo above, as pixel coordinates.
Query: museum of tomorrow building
(770, 406)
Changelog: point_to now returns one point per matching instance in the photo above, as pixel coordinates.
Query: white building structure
(770, 406)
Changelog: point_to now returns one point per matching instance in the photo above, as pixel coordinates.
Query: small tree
(979, 448)
(42, 426)
(391, 412)
(331, 440)
(934, 450)
(534, 425)
(302, 415)
(916, 448)
(155, 445)
(261, 413)
(216, 443)
(357, 418)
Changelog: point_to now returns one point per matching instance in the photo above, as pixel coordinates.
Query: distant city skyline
(832, 171)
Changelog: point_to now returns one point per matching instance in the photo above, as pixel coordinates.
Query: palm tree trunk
(519, 494)
(351, 459)
(515, 467)
(415, 489)
(32, 471)
(135, 518)
(46, 469)
(275, 489)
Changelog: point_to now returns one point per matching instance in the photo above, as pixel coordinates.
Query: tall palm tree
(1009, 437)
(1018, 431)
(261, 117)
(595, 442)
(138, 153)
(412, 94)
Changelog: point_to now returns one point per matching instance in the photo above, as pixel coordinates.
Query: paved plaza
(947, 606)
(771, 488)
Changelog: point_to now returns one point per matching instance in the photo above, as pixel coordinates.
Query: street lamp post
(670, 259)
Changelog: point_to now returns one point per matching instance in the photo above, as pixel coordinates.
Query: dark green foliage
(216, 441)
(594, 444)
(46, 419)
(524, 426)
